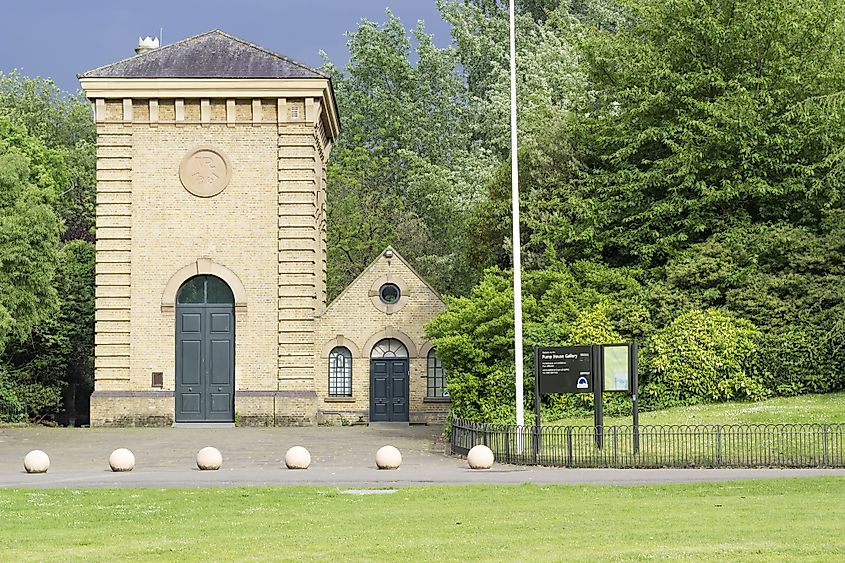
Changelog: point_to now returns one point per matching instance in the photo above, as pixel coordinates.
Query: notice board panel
(565, 369)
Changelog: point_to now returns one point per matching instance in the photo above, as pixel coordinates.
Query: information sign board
(616, 367)
(565, 369)
(587, 369)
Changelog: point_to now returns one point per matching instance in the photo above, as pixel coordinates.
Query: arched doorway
(205, 351)
(389, 381)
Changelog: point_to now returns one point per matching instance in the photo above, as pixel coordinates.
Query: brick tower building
(211, 253)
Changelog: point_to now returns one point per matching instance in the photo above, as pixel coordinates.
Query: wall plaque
(205, 171)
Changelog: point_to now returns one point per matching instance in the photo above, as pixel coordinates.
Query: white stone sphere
(388, 457)
(36, 461)
(480, 457)
(209, 459)
(122, 460)
(297, 458)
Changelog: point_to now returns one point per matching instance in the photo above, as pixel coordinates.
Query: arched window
(340, 372)
(389, 348)
(208, 290)
(436, 378)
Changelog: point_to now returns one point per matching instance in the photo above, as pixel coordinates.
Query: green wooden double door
(389, 390)
(205, 361)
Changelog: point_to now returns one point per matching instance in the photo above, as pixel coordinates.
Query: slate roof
(213, 54)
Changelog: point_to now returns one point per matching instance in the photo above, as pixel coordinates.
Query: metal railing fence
(704, 445)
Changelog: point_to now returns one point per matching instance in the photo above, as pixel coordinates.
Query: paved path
(340, 456)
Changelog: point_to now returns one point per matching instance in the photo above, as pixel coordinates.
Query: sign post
(536, 445)
(561, 369)
(619, 374)
(634, 393)
(587, 369)
(598, 406)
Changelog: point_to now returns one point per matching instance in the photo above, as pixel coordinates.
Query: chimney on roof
(146, 44)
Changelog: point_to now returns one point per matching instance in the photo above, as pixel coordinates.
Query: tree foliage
(47, 192)
(62, 122)
(403, 171)
(703, 162)
(59, 353)
(425, 129)
(563, 305)
(701, 123)
(29, 230)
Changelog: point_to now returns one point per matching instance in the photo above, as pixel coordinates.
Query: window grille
(436, 379)
(340, 372)
(389, 348)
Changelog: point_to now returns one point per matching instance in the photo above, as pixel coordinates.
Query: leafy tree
(404, 170)
(549, 77)
(29, 230)
(702, 116)
(56, 361)
(63, 122)
(547, 209)
(46, 294)
(702, 123)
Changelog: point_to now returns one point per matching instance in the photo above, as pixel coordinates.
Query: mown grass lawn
(763, 520)
(804, 409)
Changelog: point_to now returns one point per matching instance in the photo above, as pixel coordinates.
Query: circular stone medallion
(205, 171)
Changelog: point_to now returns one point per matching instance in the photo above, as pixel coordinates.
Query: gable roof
(373, 265)
(213, 54)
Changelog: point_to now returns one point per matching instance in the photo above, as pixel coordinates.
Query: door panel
(220, 351)
(191, 362)
(399, 390)
(220, 322)
(191, 403)
(379, 391)
(191, 323)
(219, 356)
(220, 403)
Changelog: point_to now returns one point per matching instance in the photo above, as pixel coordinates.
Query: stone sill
(339, 400)
(437, 400)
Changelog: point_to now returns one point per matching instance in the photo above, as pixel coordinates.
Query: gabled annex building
(211, 253)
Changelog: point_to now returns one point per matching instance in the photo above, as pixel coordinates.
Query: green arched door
(205, 351)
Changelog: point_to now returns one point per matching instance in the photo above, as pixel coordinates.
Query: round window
(389, 294)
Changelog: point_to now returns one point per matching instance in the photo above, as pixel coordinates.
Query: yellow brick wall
(172, 228)
(132, 409)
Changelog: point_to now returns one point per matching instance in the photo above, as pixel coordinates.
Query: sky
(59, 39)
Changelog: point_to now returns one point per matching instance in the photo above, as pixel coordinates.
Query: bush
(474, 336)
(11, 408)
(797, 360)
(701, 356)
(39, 400)
(591, 326)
